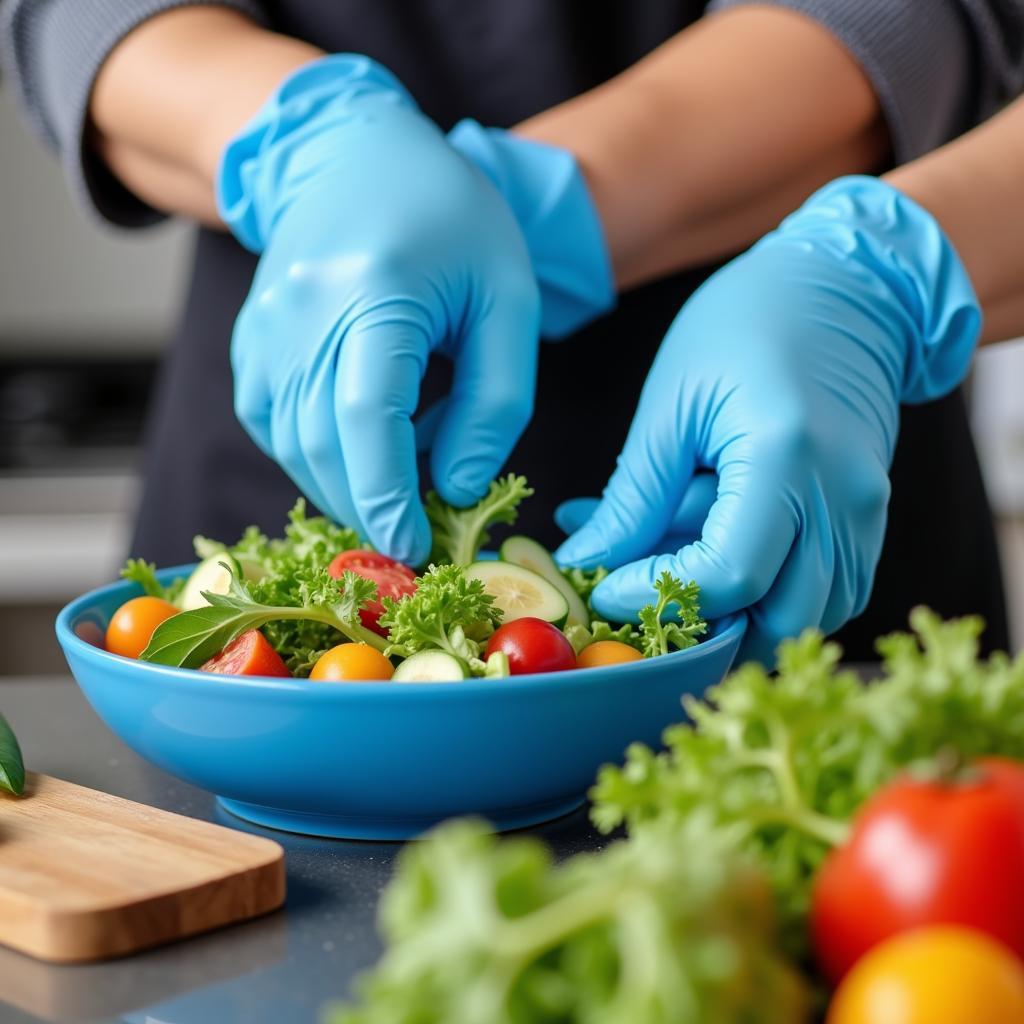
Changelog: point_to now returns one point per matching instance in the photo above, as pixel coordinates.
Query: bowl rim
(724, 631)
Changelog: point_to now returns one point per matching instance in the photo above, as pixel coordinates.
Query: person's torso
(501, 62)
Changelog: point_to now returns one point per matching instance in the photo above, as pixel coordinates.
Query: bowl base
(339, 826)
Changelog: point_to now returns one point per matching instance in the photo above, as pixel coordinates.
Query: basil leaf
(188, 639)
(12, 768)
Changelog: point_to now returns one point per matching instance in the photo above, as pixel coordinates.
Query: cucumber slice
(431, 667)
(208, 575)
(518, 592)
(533, 556)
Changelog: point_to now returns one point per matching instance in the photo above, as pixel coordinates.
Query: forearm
(175, 91)
(703, 145)
(974, 187)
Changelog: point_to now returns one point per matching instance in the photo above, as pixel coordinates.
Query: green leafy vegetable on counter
(779, 764)
(12, 767)
(190, 638)
(460, 533)
(144, 573)
(489, 930)
(448, 612)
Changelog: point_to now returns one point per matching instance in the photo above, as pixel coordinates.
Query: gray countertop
(282, 968)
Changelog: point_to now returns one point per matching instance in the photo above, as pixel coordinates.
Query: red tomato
(392, 578)
(925, 853)
(249, 655)
(532, 645)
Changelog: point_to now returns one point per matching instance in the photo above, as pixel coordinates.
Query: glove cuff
(551, 202)
(253, 166)
(864, 219)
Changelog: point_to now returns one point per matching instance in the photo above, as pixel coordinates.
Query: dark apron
(500, 63)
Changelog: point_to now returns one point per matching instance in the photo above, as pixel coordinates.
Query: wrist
(553, 207)
(253, 180)
(923, 287)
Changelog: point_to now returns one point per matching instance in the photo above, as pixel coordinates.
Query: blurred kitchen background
(84, 314)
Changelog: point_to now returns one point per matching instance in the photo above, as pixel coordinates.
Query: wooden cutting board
(86, 876)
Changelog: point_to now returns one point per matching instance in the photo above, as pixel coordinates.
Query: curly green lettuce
(309, 542)
(460, 533)
(482, 929)
(781, 763)
(144, 573)
(673, 620)
(447, 612)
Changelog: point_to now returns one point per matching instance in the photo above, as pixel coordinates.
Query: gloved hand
(380, 244)
(551, 202)
(784, 374)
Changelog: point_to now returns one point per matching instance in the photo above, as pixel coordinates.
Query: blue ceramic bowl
(383, 760)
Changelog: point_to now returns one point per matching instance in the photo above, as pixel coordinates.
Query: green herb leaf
(144, 573)
(12, 767)
(658, 636)
(460, 533)
(190, 638)
(482, 929)
(447, 612)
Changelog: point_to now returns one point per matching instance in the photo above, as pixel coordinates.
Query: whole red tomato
(392, 578)
(532, 645)
(926, 853)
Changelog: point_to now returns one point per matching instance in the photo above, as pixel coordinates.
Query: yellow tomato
(606, 652)
(133, 623)
(938, 975)
(351, 663)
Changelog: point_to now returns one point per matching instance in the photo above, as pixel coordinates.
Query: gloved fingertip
(465, 483)
(615, 600)
(585, 549)
(572, 514)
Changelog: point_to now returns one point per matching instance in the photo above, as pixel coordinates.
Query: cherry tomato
(392, 578)
(925, 853)
(606, 652)
(351, 663)
(944, 975)
(133, 623)
(249, 655)
(532, 645)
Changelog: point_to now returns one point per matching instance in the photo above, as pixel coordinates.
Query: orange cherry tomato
(351, 663)
(248, 655)
(940, 975)
(133, 623)
(606, 652)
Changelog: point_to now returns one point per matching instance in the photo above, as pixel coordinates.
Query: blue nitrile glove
(546, 191)
(380, 244)
(784, 374)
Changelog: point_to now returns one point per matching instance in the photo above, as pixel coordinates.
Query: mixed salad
(319, 603)
(807, 846)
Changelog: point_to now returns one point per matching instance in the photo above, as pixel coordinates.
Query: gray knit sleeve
(938, 67)
(50, 53)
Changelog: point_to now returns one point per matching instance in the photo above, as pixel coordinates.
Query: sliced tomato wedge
(392, 578)
(249, 655)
